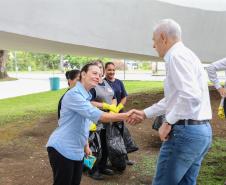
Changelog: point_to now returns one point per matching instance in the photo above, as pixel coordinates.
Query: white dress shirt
(185, 88)
(212, 69)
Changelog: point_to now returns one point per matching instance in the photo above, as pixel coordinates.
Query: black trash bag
(116, 148)
(128, 140)
(95, 145)
(159, 120)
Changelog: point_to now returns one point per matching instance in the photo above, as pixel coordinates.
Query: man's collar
(173, 47)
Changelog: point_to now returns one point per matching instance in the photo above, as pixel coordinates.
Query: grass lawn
(24, 110)
(213, 167)
(29, 106)
(40, 104)
(143, 86)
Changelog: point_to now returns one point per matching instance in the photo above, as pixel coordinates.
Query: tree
(3, 60)
(43, 62)
(79, 61)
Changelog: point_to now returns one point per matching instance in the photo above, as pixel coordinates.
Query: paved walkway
(27, 84)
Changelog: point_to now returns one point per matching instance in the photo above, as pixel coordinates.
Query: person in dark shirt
(120, 93)
(72, 77)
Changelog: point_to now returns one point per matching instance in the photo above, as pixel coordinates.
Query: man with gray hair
(186, 133)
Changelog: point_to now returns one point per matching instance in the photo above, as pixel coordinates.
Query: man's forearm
(156, 109)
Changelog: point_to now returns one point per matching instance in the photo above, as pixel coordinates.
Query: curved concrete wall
(114, 28)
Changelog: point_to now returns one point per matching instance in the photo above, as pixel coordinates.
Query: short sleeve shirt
(118, 88)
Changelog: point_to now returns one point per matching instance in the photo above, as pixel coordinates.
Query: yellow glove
(113, 108)
(106, 106)
(119, 107)
(109, 107)
(92, 127)
(220, 113)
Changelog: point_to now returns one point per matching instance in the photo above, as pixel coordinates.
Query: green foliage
(146, 165)
(46, 61)
(43, 62)
(142, 86)
(213, 168)
(144, 65)
(79, 61)
(36, 61)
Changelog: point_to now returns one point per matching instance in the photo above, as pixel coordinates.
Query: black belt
(191, 122)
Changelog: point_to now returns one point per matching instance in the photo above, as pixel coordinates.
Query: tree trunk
(3, 60)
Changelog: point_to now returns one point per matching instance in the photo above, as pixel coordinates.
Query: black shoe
(97, 176)
(107, 171)
(129, 162)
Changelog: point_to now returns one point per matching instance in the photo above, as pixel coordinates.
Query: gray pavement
(29, 83)
(25, 86)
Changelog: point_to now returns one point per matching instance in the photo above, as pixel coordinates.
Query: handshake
(133, 116)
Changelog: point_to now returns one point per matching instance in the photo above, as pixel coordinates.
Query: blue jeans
(181, 156)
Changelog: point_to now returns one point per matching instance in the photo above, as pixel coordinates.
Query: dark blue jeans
(181, 156)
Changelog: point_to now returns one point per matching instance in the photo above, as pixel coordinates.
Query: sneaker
(107, 171)
(96, 175)
(129, 162)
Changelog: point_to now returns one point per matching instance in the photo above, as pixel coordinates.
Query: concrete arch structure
(112, 28)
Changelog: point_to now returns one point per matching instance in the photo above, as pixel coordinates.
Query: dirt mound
(24, 161)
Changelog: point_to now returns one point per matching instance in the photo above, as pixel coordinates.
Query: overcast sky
(216, 5)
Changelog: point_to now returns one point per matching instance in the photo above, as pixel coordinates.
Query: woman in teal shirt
(68, 142)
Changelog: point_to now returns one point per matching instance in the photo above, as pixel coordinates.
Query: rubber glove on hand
(93, 127)
(109, 107)
(119, 107)
(220, 112)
